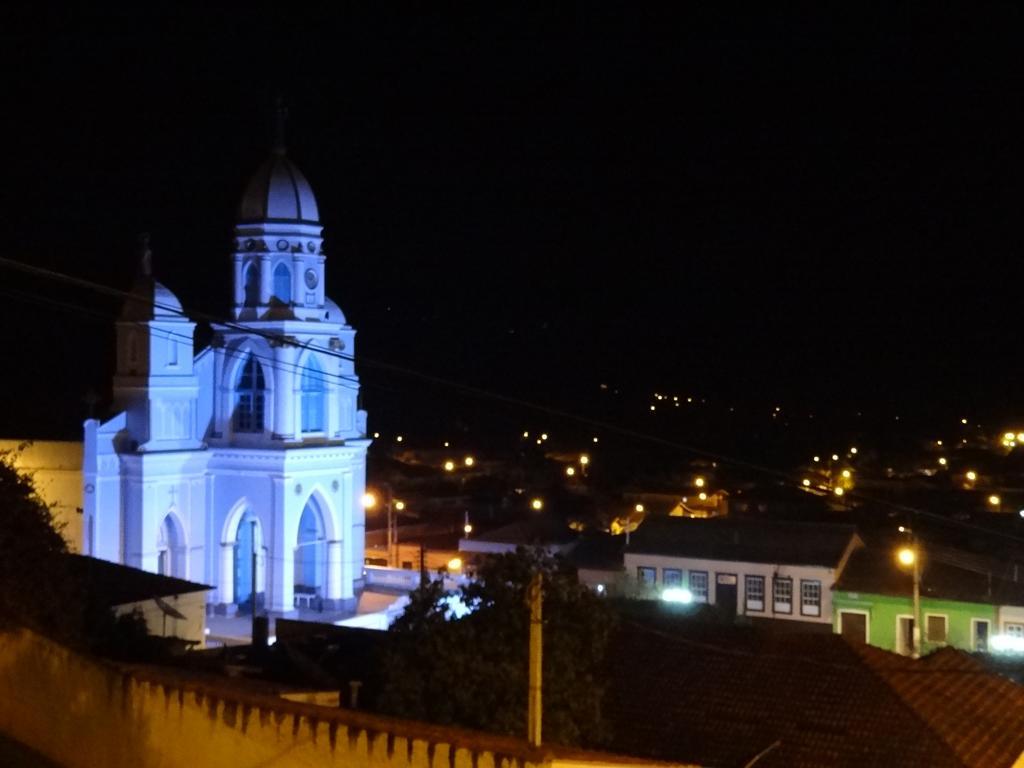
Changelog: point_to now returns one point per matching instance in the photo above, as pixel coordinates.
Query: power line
(785, 476)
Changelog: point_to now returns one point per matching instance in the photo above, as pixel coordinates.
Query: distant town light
(639, 507)
(570, 471)
(455, 564)
(838, 490)
(449, 466)
(584, 459)
(1020, 437)
(1021, 513)
(846, 474)
(538, 441)
(1009, 436)
(972, 475)
(467, 528)
(963, 421)
(526, 434)
(702, 496)
(537, 504)
(445, 443)
(993, 500)
(399, 505)
(653, 408)
(853, 451)
(835, 457)
(938, 442)
(399, 438)
(942, 460)
(543, 435)
(698, 481)
(906, 556)
(600, 589)
(369, 500)
(595, 439)
(807, 483)
(469, 461)
(817, 458)
(376, 435)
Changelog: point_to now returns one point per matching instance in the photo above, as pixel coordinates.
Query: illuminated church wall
(257, 440)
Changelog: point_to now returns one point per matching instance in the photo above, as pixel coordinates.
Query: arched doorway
(170, 548)
(248, 537)
(310, 557)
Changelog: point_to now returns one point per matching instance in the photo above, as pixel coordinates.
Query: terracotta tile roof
(719, 696)
(980, 715)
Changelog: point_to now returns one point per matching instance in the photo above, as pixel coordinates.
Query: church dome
(151, 300)
(278, 192)
(332, 312)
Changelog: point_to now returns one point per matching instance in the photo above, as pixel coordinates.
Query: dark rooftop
(875, 570)
(116, 584)
(743, 540)
(721, 696)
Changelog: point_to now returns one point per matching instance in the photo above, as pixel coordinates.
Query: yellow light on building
(702, 496)
(399, 505)
(699, 482)
(570, 471)
(449, 466)
(906, 556)
(584, 459)
(1009, 436)
(537, 504)
(846, 474)
(993, 500)
(1020, 437)
(942, 460)
(639, 507)
(369, 500)
(838, 491)
(455, 564)
(469, 461)
(807, 483)
(972, 475)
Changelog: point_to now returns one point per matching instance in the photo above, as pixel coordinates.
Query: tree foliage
(472, 671)
(35, 590)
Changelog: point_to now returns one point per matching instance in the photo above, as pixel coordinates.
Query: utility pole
(917, 598)
(252, 594)
(533, 714)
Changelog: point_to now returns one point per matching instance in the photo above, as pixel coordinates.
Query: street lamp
(910, 556)
(370, 501)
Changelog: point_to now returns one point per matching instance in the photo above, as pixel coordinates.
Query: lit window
(647, 576)
(782, 595)
(935, 629)
(754, 590)
(810, 598)
(249, 398)
(313, 391)
(699, 586)
(283, 284)
(671, 577)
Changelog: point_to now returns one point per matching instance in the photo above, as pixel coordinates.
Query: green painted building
(963, 603)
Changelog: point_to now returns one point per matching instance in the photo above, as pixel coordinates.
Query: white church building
(257, 442)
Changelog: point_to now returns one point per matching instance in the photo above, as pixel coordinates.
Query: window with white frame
(672, 577)
(646, 576)
(782, 594)
(1013, 629)
(935, 628)
(753, 587)
(810, 597)
(699, 586)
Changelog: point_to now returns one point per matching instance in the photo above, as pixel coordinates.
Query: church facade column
(281, 582)
(285, 383)
(227, 572)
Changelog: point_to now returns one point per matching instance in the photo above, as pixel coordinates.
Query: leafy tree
(35, 590)
(472, 670)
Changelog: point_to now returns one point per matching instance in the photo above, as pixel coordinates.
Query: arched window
(250, 397)
(313, 393)
(283, 283)
(252, 285)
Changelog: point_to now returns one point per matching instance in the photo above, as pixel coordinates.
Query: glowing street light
(702, 496)
(469, 461)
(537, 504)
(455, 564)
(838, 490)
(853, 451)
(942, 461)
(971, 475)
(698, 482)
(449, 466)
(570, 471)
(369, 500)
(906, 556)
(584, 459)
(639, 507)
(399, 439)
(993, 500)
(846, 474)
(806, 483)
(835, 457)
(467, 528)
(400, 505)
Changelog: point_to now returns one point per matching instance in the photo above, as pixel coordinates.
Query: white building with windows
(755, 568)
(256, 442)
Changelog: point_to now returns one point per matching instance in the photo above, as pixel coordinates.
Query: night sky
(817, 212)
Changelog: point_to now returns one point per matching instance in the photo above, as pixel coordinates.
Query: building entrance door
(853, 626)
(725, 593)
